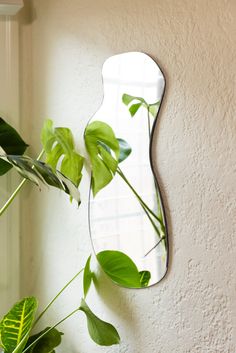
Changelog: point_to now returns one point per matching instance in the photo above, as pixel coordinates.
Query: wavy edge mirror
(106, 257)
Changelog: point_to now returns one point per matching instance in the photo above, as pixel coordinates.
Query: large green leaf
(60, 151)
(120, 268)
(11, 143)
(47, 343)
(103, 162)
(100, 331)
(16, 325)
(39, 172)
(88, 277)
(134, 107)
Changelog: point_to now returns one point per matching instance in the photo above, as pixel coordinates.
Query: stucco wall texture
(63, 46)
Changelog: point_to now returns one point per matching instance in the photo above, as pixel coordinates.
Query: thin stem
(143, 204)
(50, 329)
(11, 198)
(151, 220)
(146, 209)
(58, 294)
(159, 209)
(162, 238)
(19, 187)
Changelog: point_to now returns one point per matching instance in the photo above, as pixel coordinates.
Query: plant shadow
(115, 298)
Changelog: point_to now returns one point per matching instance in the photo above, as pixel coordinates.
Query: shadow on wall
(108, 291)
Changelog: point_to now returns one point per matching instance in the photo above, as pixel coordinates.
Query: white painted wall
(64, 44)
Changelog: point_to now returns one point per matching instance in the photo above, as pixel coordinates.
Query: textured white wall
(64, 44)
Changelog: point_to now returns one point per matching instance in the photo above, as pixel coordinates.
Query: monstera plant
(60, 165)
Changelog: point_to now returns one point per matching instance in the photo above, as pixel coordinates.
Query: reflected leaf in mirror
(125, 150)
(145, 277)
(134, 107)
(121, 269)
(99, 137)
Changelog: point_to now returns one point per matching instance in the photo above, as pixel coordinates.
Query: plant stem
(162, 238)
(159, 210)
(50, 329)
(146, 209)
(151, 220)
(9, 201)
(58, 294)
(19, 187)
(143, 204)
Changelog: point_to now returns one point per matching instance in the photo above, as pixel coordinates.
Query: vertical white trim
(9, 110)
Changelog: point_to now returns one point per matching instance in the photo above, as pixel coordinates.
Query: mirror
(127, 217)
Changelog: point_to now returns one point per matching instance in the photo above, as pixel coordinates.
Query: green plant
(64, 165)
(62, 169)
(17, 324)
(12, 148)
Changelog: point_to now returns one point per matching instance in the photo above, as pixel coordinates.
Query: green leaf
(125, 150)
(11, 143)
(127, 99)
(153, 108)
(88, 277)
(16, 325)
(134, 108)
(37, 171)
(71, 167)
(60, 151)
(47, 343)
(145, 277)
(107, 158)
(120, 268)
(100, 331)
(104, 164)
(47, 135)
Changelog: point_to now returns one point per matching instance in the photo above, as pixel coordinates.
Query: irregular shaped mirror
(127, 220)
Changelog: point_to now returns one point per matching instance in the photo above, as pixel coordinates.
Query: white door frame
(9, 110)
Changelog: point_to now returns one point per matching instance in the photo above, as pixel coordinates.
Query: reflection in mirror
(127, 220)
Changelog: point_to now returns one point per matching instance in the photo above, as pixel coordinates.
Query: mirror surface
(128, 214)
